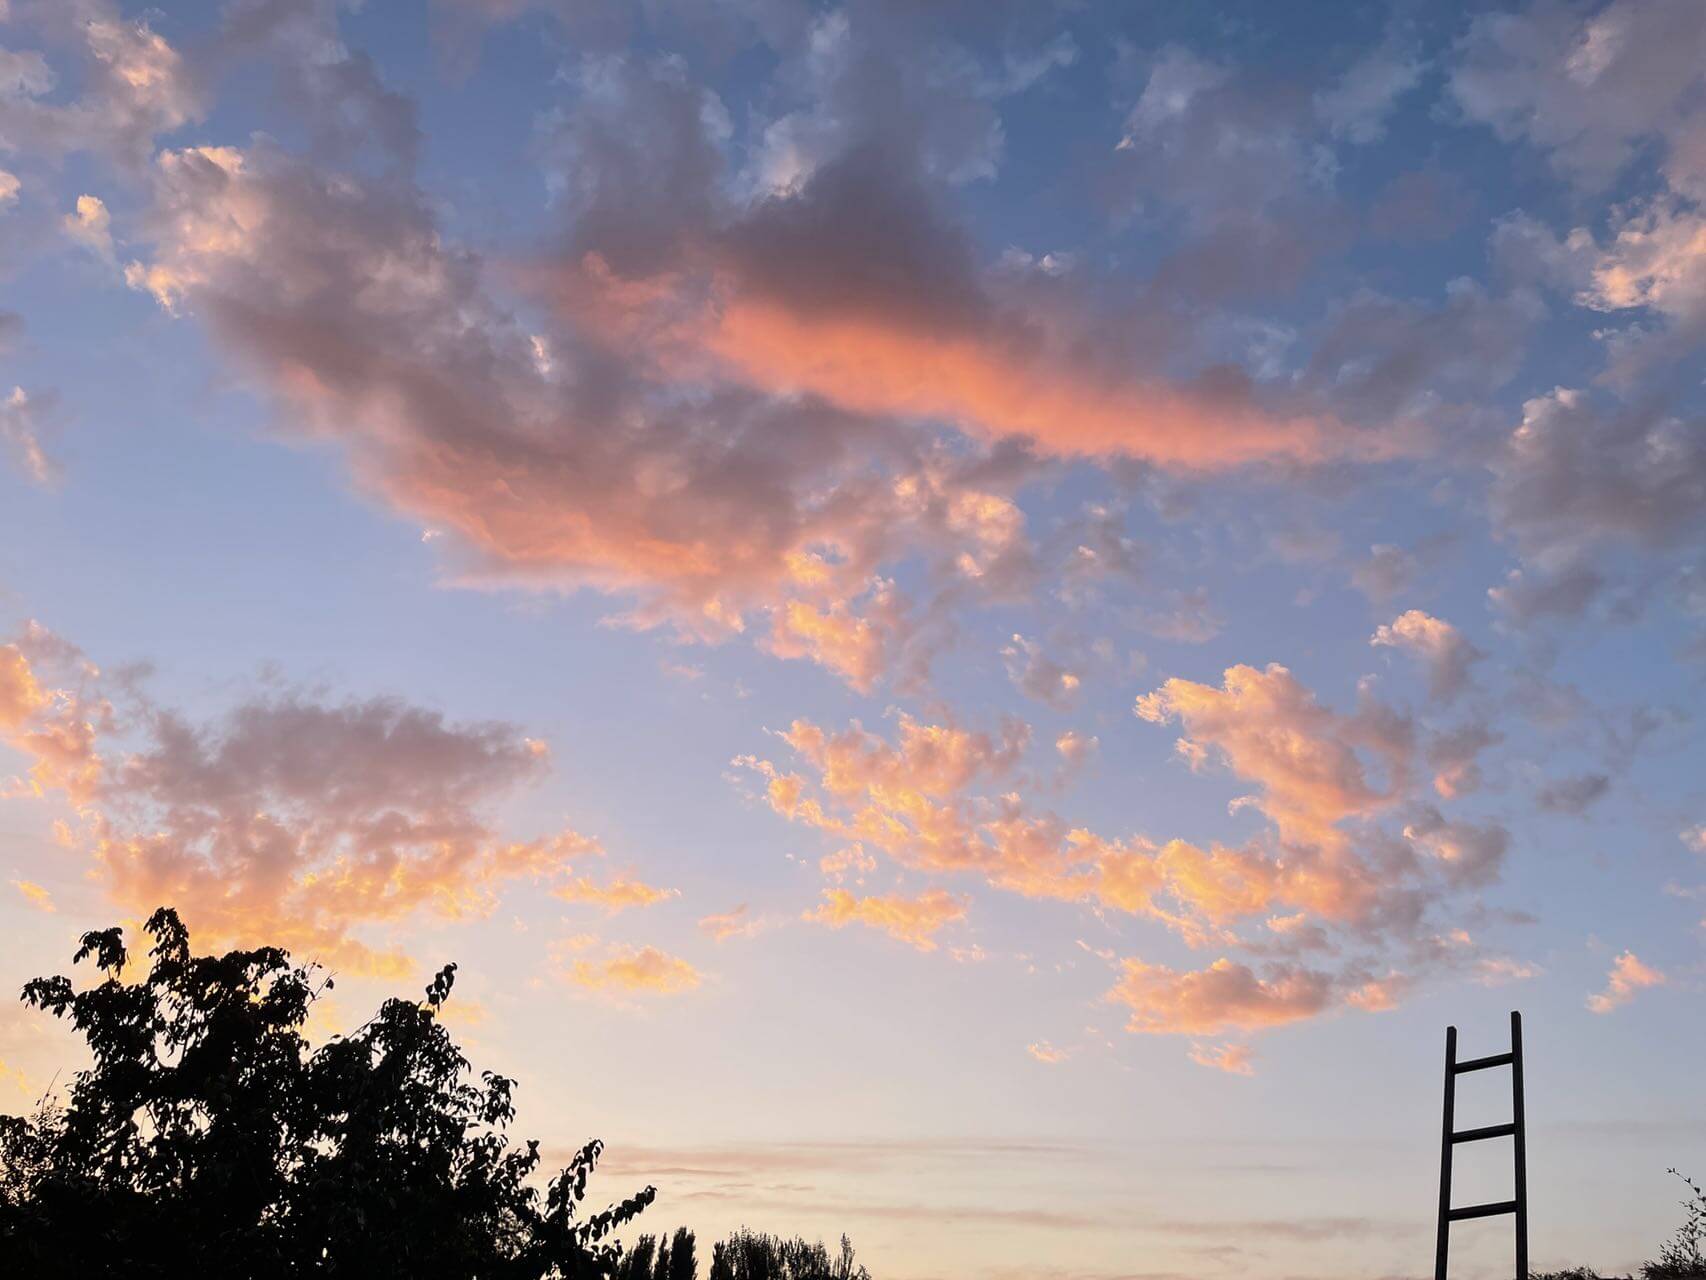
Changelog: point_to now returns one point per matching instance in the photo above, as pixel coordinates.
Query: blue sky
(974, 622)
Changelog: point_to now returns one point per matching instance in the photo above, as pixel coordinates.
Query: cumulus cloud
(133, 86)
(1077, 749)
(706, 505)
(1580, 472)
(1038, 676)
(90, 225)
(1226, 996)
(933, 802)
(633, 971)
(1441, 646)
(1627, 977)
(1589, 87)
(1308, 759)
(914, 921)
(292, 818)
(1471, 853)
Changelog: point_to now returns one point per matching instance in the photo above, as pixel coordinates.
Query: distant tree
(636, 1264)
(683, 1265)
(207, 1139)
(749, 1255)
(1682, 1257)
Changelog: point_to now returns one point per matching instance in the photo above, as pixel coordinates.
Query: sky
(974, 622)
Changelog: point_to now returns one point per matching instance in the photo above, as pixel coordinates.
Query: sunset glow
(974, 622)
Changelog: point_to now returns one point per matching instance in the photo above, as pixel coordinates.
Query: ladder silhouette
(1450, 1137)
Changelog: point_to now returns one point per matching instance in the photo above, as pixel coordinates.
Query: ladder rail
(1450, 1136)
(1442, 1243)
(1519, 1133)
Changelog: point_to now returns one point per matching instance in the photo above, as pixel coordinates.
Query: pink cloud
(1628, 976)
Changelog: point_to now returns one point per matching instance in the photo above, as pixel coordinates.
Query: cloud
(1046, 1053)
(90, 225)
(1695, 838)
(1307, 758)
(1495, 971)
(1439, 644)
(914, 921)
(1590, 87)
(1226, 996)
(1038, 676)
(50, 713)
(617, 895)
(1573, 794)
(630, 971)
(1077, 749)
(9, 188)
(859, 646)
(706, 505)
(292, 818)
(132, 86)
(20, 432)
(735, 923)
(1234, 1059)
(1470, 853)
(853, 285)
(1628, 975)
(1356, 105)
(35, 895)
(1579, 472)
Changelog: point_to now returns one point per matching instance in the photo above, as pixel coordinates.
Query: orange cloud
(1226, 996)
(616, 896)
(736, 923)
(1628, 975)
(1234, 1059)
(1307, 759)
(914, 921)
(55, 727)
(631, 971)
(997, 383)
(1045, 1052)
(288, 820)
(35, 895)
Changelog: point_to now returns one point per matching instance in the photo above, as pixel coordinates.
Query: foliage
(1682, 1258)
(750, 1256)
(671, 1258)
(207, 1139)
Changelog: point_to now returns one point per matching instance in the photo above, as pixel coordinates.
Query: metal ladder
(1450, 1137)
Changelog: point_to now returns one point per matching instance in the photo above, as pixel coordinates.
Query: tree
(749, 1255)
(682, 1263)
(208, 1139)
(1682, 1257)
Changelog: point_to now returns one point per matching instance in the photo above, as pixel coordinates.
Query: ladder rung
(1482, 1210)
(1491, 1131)
(1481, 1064)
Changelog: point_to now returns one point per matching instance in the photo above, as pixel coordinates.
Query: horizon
(975, 623)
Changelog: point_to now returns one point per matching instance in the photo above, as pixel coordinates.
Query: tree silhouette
(749, 1255)
(683, 1265)
(208, 1139)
